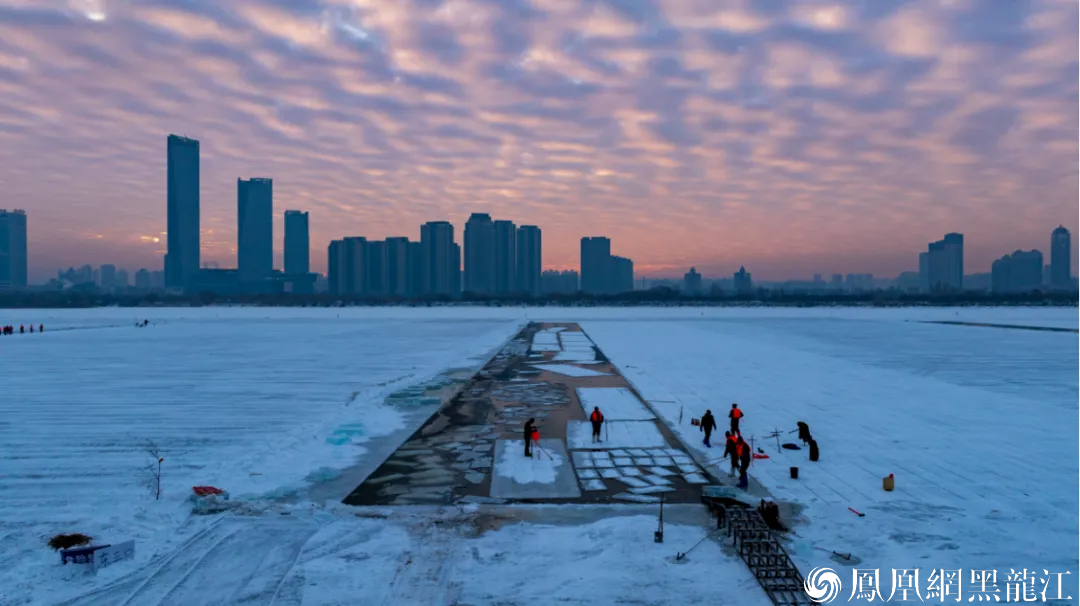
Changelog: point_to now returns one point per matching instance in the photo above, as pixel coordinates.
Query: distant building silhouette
(376, 283)
(297, 243)
(417, 270)
(255, 229)
(13, 255)
(335, 267)
(692, 282)
(556, 282)
(120, 281)
(505, 257)
(1061, 259)
(946, 264)
(622, 275)
(924, 272)
(1019, 272)
(742, 282)
(107, 276)
(480, 254)
(143, 280)
(182, 260)
(529, 260)
(398, 267)
(596, 266)
(441, 258)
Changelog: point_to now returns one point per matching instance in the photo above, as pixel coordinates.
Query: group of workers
(10, 329)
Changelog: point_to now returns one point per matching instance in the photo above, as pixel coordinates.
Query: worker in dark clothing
(735, 415)
(743, 450)
(22, 329)
(729, 450)
(31, 329)
(597, 420)
(529, 428)
(708, 424)
(814, 452)
(41, 328)
(804, 432)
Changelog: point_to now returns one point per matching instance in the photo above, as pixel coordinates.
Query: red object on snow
(856, 513)
(536, 435)
(203, 491)
(758, 455)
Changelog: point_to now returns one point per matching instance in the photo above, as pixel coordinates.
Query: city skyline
(789, 139)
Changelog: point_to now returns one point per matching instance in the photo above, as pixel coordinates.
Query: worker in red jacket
(735, 415)
(597, 420)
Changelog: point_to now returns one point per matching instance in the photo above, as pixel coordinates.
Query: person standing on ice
(708, 424)
(597, 420)
(735, 415)
(529, 429)
(729, 451)
(743, 450)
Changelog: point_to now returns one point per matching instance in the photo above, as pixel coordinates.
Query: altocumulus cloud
(789, 136)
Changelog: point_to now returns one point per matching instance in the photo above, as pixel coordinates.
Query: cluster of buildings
(254, 271)
(496, 257)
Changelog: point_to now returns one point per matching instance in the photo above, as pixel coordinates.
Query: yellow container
(888, 483)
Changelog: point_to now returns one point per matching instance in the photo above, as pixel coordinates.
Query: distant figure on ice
(22, 329)
(770, 512)
(41, 328)
(31, 329)
(708, 424)
(735, 415)
(743, 450)
(597, 420)
(529, 429)
(730, 450)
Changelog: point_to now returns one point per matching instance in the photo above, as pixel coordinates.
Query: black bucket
(794, 473)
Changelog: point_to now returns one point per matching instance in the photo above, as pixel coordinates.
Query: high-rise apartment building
(13, 256)
(354, 267)
(376, 274)
(335, 267)
(397, 267)
(107, 276)
(946, 264)
(622, 275)
(1061, 259)
(442, 264)
(529, 260)
(182, 260)
(505, 257)
(255, 229)
(1018, 272)
(480, 254)
(297, 243)
(596, 267)
(417, 270)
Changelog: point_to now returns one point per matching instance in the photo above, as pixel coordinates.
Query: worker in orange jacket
(735, 415)
(597, 420)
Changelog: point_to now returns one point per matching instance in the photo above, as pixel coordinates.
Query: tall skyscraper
(297, 243)
(255, 229)
(529, 260)
(946, 264)
(108, 276)
(1061, 259)
(397, 267)
(182, 241)
(441, 263)
(596, 267)
(13, 258)
(479, 239)
(505, 257)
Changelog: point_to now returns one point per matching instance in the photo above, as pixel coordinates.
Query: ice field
(979, 426)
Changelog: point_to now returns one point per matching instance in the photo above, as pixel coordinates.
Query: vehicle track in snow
(234, 561)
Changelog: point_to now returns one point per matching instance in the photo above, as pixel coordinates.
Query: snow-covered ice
(981, 423)
(977, 424)
(615, 434)
(615, 403)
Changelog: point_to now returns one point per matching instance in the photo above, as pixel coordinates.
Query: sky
(792, 137)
